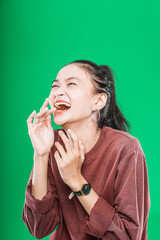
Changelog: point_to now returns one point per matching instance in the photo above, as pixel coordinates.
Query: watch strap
(86, 188)
(79, 193)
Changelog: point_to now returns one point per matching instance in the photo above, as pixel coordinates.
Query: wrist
(38, 158)
(80, 189)
(77, 185)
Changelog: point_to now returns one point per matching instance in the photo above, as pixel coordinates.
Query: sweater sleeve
(42, 216)
(127, 218)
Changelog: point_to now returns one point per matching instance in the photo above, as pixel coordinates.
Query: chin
(60, 121)
(64, 124)
(67, 121)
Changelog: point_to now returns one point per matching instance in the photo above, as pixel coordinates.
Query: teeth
(62, 103)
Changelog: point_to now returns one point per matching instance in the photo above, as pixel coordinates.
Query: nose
(59, 92)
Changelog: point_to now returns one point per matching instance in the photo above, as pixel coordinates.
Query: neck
(87, 132)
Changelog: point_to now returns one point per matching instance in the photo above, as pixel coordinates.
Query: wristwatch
(86, 188)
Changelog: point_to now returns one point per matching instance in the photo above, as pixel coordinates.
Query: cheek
(82, 102)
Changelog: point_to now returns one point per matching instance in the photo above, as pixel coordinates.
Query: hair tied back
(105, 73)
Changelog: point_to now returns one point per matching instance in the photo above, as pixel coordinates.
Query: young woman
(90, 177)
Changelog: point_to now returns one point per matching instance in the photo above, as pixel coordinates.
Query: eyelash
(71, 84)
(68, 85)
(54, 86)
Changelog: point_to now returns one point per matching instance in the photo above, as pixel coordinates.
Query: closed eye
(53, 86)
(71, 84)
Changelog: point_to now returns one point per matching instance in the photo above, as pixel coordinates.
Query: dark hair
(103, 81)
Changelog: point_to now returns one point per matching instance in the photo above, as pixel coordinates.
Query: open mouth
(62, 106)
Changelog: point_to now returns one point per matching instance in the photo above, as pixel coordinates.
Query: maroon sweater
(116, 169)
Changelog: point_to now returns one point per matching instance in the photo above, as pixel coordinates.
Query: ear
(100, 101)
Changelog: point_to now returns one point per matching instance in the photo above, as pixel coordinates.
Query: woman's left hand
(69, 162)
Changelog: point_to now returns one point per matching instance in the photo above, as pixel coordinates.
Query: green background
(37, 39)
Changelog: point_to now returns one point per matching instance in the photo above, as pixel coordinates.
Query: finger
(58, 159)
(45, 112)
(48, 121)
(41, 116)
(42, 112)
(29, 120)
(75, 139)
(70, 140)
(38, 126)
(52, 110)
(45, 104)
(60, 150)
(66, 141)
(48, 118)
(44, 117)
(81, 150)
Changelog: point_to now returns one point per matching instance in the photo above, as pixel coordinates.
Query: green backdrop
(37, 38)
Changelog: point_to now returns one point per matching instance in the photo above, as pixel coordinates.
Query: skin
(82, 116)
(80, 124)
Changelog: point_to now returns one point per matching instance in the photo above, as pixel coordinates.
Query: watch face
(86, 189)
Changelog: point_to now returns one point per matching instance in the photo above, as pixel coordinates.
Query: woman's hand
(40, 131)
(69, 162)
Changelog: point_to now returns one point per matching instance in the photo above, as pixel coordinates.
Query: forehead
(73, 70)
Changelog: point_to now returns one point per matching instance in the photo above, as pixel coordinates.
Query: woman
(90, 177)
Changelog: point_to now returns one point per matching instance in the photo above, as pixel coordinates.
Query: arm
(39, 179)
(41, 215)
(127, 217)
(88, 201)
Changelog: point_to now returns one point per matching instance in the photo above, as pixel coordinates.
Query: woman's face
(73, 95)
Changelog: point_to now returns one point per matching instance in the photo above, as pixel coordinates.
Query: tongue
(63, 107)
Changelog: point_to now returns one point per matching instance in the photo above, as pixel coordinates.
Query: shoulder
(121, 140)
(126, 149)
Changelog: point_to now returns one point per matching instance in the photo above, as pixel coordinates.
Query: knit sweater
(116, 169)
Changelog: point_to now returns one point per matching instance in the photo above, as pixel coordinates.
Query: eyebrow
(67, 79)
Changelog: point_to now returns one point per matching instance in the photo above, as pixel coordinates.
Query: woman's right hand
(40, 131)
